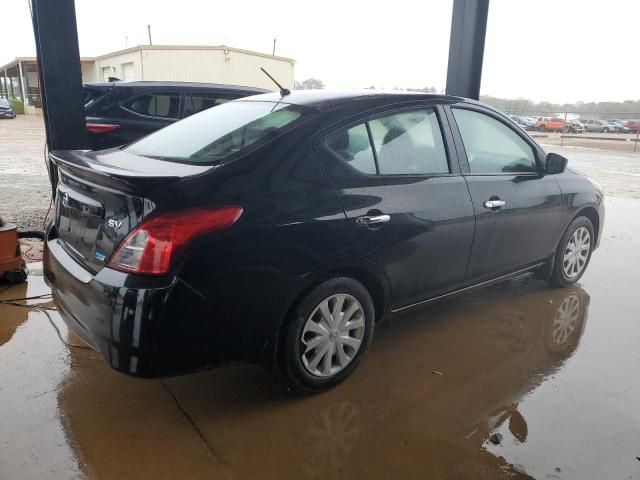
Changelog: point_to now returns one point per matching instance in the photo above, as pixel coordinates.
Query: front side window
(407, 143)
(164, 105)
(215, 134)
(491, 146)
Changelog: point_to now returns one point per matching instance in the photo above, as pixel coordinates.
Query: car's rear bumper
(111, 313)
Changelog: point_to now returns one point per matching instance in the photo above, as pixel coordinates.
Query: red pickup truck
(550, 124)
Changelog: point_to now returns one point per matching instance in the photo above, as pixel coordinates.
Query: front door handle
(494, 204)
(372, 219)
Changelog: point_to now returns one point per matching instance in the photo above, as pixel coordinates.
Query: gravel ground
(25, 191)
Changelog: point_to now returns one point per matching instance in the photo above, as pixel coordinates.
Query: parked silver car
(598, 126)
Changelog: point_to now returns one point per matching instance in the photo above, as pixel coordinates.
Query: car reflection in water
(394, 419)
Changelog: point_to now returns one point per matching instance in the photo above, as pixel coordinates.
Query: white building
(214, 64)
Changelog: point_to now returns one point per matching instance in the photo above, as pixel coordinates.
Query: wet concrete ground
(516, 381)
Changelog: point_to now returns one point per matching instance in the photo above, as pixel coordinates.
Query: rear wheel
(605, 130)
(542, 128)
(573, 253)
(327, 335)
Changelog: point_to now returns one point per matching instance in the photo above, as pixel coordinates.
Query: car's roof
(321, 99)
(196, 85)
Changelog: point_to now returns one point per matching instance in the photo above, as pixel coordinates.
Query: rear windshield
(218, 133)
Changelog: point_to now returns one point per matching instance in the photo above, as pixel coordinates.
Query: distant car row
(557, 124)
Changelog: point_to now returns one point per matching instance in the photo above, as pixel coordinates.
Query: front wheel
(573, 253)
(327, 335)
(605, 130)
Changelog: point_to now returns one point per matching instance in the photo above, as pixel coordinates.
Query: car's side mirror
(555, 163)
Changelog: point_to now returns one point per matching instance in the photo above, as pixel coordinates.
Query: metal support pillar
(466, 47)
(56, 35)
(13, 93)
(22, 92)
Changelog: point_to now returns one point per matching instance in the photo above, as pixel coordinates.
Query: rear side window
(353, 147)
(163, 105)
(491, 146)
(196, 102)
(218, 133)
(407, 143)
(91, 95)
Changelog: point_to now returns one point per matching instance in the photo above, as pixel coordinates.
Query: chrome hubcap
(576, 253)
(332, 335)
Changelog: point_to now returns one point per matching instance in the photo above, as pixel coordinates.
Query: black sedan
(279, 230)
(6, 110)
(118, 113)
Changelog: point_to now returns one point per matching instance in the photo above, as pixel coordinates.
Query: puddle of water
(33, 365)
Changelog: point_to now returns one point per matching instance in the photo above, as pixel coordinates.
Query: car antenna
(283, 91)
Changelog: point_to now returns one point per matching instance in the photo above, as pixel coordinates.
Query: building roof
(15, 61)
(178, 84)
(193, 47)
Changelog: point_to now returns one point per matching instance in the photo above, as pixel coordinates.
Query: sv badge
(113, 223)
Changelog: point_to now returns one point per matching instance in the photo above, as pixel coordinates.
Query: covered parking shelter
(20, 79)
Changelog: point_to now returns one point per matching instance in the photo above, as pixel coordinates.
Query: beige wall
(197, 64)
(216, 66)
(89, 72)
(115, 62)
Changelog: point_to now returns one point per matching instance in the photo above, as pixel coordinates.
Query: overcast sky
(560, 51)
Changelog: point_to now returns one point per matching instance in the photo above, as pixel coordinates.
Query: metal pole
(274, 47)
(56, 36)
(25, 100)
(149, 32)
(13, 93)
(466, 47)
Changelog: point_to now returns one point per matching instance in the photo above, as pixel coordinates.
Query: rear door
(518, 207)
(408, 206)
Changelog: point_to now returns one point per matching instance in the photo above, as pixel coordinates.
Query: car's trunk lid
(101, 197)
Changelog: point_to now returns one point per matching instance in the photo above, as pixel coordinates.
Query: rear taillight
(101, 127)
(151, 246)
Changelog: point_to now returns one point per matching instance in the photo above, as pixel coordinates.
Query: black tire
(605, 130)
(558, 278)
(542, 128)
(299, 377)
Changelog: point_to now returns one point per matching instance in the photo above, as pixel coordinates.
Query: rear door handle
(372, 220)
(494, 204)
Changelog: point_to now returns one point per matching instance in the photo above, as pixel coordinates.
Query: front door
(518, 207)
(408, 206)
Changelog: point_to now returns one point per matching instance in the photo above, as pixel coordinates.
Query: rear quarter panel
(246, 279)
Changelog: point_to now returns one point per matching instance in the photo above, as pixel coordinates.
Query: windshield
(217, 133)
